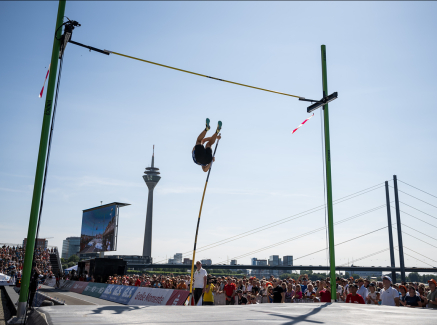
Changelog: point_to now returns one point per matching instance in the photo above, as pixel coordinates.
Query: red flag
(42, 90)
(302, 124)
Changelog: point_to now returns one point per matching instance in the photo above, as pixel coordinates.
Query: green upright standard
(328, 179)
(40, 167)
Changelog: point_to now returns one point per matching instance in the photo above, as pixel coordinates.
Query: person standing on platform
(199, 282)
(389, 295)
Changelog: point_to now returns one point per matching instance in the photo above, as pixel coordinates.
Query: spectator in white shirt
(389, 295)
(199, 282)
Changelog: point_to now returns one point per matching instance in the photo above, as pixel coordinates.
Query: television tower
(151, 178)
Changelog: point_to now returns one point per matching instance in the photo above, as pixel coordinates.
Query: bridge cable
(364, 257)
(416, 198)
(418, 231)
(306, 234)
(417, 188)
(416, 258)
(418, 210)
(284, 220)
(420, 254)
(405, 233)
(415, 217)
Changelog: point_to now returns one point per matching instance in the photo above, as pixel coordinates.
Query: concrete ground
(290, 314)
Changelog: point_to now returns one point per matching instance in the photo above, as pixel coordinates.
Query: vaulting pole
(198, 223)
(328, 178)
(40, 167)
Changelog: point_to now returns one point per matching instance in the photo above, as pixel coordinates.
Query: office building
(206, 262)
(70, 247)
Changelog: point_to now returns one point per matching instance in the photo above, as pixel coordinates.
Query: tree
(414, 277)
(70, 264)
(63, 260)
(73, 258)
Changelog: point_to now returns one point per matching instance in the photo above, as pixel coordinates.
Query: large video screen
(98, 229)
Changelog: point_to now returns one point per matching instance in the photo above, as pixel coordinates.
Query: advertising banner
(94, 289)
(78, 286)
(67, 285)
(126, 295)
(61, 283)
(151, 296)
(50, 282)
(178, 297)
(118, 293)
(108, 291)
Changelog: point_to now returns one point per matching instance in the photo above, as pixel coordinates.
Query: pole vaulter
(198, 160)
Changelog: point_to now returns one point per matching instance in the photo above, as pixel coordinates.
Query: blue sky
(112, 110)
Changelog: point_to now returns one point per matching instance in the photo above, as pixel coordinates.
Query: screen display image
(98, 230)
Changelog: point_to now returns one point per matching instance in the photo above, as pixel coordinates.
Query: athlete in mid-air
(202, 155)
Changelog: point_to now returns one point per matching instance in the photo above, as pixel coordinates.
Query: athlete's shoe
(219, 126)
(207, 125)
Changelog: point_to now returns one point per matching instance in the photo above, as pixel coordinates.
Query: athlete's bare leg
(211, 140)
(200, 137)
(203, 134)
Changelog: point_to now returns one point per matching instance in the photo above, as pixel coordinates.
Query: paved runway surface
(73, 298)
(339, 314)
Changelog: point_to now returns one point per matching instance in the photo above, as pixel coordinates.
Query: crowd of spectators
(250, 290)
(12, 259)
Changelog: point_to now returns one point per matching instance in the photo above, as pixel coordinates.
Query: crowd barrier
(126, 295)
(140, 296)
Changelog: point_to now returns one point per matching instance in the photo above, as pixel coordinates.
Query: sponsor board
(61, 283)
(50, 282)
(151, 296)
(126, 294)
(108, 291)
(118, 293)
(178, 297)
(67, 285)
(94, 289)
(78, 286)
